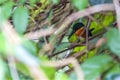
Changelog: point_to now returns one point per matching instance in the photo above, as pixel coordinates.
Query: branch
(79, 44)
(80, 14)
(40, 33)
(83, 13)
(87, 36)
(14, 40)
(117, 9)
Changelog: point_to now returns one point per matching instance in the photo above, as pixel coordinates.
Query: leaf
(20, 19)
(113, 41)
(32, 2)
(50, 15)
(72, 76)
(80, 4)
(97, 26)
(1, 1)
(30, 47)
(5, 11)
(108, 19)
(78, 48)
(90, 54)
(112, 72)
(61, 76)
(2, 18)
(22, 68)
(49, 71)
(2, 69)
(21, 2)
(94, 66)
(62, 46)
(73, 38)
(2, 43)
(104, 21)
(55, 1)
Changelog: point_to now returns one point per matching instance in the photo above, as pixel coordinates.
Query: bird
(78, 30)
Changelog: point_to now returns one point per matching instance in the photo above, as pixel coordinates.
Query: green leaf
(112, 72)
(80, 4)
(73, 76)
(2, 43)
(90, 54)
(55, 1)
(94, 66)
(22, 69)
(108, 19)
(104, 21)
(97, 26)
(49, 71)
(50, 15)
(2, 18)
(78, 48)
(1, 1)
(73, 38)
(5, 11)
(2, 70)
(30, 47)
(32, 2)
(61, 76)
(113, 41)
(20, 19)
(21, 2)
(62, 46)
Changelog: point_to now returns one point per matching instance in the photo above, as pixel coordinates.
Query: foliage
(29, 40)
(113, 41)
(81, 4)
(20, 19)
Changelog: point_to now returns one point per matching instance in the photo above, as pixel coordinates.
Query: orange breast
(80, 32)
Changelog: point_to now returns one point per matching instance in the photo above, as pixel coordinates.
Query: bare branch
(83, 13)
(40, 33)
(15, 40)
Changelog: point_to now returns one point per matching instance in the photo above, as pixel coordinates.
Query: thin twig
(78, 44)
(71, 47)
(87, 36)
